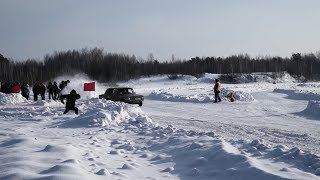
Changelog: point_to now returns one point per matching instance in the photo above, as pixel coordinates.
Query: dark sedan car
(123, 94)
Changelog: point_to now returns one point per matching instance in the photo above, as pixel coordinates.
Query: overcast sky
(185, 28)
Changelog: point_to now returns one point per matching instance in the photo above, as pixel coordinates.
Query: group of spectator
(8, 88)
(37, 89)
(53, 89)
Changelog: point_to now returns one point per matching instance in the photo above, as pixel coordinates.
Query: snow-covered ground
(270, 132)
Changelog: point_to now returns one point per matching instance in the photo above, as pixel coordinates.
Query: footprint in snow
(91, 159)
(168, 169)
(146, 155)
(115, 152)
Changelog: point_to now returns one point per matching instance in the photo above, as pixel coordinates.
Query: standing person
(71, 101)
(217, 90)
(42, 90)
(56, 91)
(3, 87)
(50, 88)
(62, 85)
(35, 90)
(15, 88)
(25, 90)
(7, 88)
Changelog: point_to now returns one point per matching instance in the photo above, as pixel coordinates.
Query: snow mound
(164, 95)
(309, 85)
(269, 77)
(238, 95)
(200, 161)
(46, 103)
(13, 98)
(313, 109)
(104, 113)
(294, 156)
(208, 78)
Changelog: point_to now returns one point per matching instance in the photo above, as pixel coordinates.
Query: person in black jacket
(36, 91)
(50, 88)
(56, 91)
(25, 90)
(71, 101)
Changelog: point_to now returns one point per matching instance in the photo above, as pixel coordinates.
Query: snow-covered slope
(170, 137)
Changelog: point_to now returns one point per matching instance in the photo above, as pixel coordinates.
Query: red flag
(89, 86)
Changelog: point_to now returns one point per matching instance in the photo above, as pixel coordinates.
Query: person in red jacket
(42, 90)
(16, 88)
(217, 90)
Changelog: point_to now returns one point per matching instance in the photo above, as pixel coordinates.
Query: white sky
(185, 28)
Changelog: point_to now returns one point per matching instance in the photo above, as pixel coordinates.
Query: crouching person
(230, 97)
(71, 101)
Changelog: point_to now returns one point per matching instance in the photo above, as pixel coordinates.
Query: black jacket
(71, 98)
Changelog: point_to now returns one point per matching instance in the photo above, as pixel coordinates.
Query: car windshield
(126, 91)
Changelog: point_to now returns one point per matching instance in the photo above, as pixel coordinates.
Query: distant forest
(108, 67)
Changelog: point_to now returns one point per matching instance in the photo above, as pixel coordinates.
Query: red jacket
(15, 89)
(42, 89)
(217, 87)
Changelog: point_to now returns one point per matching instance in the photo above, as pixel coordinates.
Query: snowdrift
(312, 110)
(204, 155)
(103, 113)
(6, 99)
(165, 95)
(268, 77)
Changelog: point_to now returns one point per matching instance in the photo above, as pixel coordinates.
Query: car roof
(120, 88)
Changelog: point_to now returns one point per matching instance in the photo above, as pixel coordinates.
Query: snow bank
(296, 157)
(208, 78)
(104, 113)
(312, 110)
(200, 155)
(238, 95)
(247, 78)
(46, 103)
(299, 94)
(164, 95)
(262, 77)
(309, 85)
(13, 98)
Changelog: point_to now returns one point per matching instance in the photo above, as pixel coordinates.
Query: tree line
(107, 67)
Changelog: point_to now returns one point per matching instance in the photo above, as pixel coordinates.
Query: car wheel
(140, 103)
